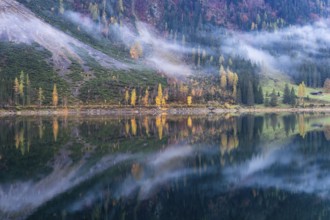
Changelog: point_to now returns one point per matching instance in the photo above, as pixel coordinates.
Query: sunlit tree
(133, 97)
(21, 87)
(159, 99)
(189, 100)
(136, 51)
(16, 90)
(126, 96)
(146, 97)
(55, 96)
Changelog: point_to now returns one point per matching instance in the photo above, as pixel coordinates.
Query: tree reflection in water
(166, 167)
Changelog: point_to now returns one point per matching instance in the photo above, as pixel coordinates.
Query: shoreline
(154, 111)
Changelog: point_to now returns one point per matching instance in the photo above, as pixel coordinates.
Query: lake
(263, 166)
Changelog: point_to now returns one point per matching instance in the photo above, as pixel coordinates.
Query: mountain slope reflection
(163, 167)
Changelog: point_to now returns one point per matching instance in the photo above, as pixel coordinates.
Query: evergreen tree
(250, 95)
(239, 96)
(273, 99)
(28, 90)
(40, 96)
(259, 97)
(293, 97)
(286, 95)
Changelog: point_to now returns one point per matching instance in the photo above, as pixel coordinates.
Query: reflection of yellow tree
(160, 124)
(16, 140)
(159, 127)
(146, 125)
(127, 128)
(136, 171)
(228, 143)
(224, 142)
(189, 122)
(302, 127)
(134, 126)
(55, 128)
(22, 141)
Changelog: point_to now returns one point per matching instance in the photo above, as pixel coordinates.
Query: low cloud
(283, 50)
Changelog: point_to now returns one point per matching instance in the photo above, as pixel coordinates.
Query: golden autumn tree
(146, 97)
(223, 78)
(301, 91)
(189, 100)
(126, 96)
(21, 87)
(230, 77)
(136, 51)
(160, 99)
(16, 90)
(55, 96)
(133, 98)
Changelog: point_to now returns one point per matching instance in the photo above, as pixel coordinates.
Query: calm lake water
(165, 167)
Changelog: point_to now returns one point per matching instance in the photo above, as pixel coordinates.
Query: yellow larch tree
(189, 100)
(16, 90)
(126, 96)
(55, 96)
(133, 97)
(136, 51)
(146, 97)
(160, 99)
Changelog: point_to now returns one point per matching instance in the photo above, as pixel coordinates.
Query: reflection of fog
(22, 198)
(286, 169)
(160, 168)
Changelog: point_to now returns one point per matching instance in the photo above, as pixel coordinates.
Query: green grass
(34, 61)
(278, 82)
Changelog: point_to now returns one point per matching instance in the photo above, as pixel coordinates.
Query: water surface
(165, 167)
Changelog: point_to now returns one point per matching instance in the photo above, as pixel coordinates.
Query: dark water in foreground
(189, 167)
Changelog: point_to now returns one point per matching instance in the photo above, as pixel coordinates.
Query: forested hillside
(143, 52)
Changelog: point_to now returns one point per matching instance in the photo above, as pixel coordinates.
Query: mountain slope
(70, 59)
